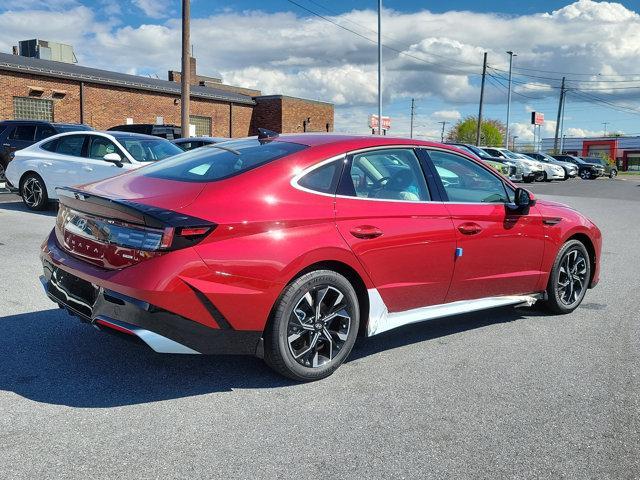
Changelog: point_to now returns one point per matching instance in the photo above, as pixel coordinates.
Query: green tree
(464, 131)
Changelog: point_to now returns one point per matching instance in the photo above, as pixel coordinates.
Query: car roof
(119, 134)
(351, 141)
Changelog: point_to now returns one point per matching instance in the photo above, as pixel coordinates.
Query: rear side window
(44, 131)
(70, 145)
(23, 132)
(323, 179)
(213, 162)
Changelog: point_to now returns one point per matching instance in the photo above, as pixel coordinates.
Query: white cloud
(154, 8)
(447, 115)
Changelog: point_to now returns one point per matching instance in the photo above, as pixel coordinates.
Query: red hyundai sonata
(287, 247)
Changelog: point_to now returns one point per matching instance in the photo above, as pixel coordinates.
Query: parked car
(586, 171)
(168, 131)
(610, 170)
(286, 247)
(75, 158)
(570, 170)
(18, 134)
(551, 170)
(191, 143)
(513, 171)
(531, 169)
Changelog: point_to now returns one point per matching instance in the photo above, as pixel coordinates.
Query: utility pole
(442, 133)
(185, 79)
(379, 67)
(412, 113)
(560, 108)
(511, 55)
(605, 127)
(484, 75)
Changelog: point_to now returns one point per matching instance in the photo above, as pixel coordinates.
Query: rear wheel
(34, 192)
(314, 327)
(569, 278)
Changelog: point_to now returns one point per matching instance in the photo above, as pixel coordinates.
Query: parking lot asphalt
(507, 393)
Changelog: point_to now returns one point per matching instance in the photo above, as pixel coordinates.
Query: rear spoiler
(126, 210)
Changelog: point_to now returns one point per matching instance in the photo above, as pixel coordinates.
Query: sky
(326, 50)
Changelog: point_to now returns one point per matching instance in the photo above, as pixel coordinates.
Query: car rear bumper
(162, 330)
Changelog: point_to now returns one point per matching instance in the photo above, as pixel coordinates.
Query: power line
(364, 37)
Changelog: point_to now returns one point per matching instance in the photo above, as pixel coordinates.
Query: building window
(202, 124)
(25, 108)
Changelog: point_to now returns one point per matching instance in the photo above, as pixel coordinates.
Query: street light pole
(511, 55)
(186, 68)
(379, 67)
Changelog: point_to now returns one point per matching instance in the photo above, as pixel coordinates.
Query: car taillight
(115, 243)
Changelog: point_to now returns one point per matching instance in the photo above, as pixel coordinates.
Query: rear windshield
(215, 162)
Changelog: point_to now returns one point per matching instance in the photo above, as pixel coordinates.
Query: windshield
(510, 154)
(578, 160)
(464, 148)
(144, 149)
(213, 162)
(72, 128)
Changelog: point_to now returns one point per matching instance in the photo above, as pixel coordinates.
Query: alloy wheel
(319, 326)
(572, 278)
(2, 174)
(32, 192)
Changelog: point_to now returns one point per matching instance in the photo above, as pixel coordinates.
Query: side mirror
(522, 201)
(113, 158)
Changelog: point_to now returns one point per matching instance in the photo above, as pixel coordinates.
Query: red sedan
(287, 247)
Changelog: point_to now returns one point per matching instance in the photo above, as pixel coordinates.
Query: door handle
(366, 231)
(469, 228)
(87, 169)
(46, 164)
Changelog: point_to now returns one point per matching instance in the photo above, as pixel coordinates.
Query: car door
(95, 166)
(396, 226)
(499, 251)
(63, 165)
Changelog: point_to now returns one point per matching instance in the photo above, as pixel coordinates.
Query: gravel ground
(500, 394)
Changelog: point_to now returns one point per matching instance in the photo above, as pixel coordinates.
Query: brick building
(33, 88)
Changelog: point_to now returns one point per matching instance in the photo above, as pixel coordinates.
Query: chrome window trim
(343, 156)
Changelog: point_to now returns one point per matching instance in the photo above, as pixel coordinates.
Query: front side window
(101, 146)
(24, 132)
(465, 181)
(213, 162)
(392, 174)
(70, 145)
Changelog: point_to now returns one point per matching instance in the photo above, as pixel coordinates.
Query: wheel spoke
(319, 326)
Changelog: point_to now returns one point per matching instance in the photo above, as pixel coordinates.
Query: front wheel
(314, 326)
(569, 278)
(585, 175)
(613, 173)
(34, 192)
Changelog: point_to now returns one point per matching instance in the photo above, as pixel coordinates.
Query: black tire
(613, 173)
(585, 175)
(559, 300)
(296, 315)
(34, 192)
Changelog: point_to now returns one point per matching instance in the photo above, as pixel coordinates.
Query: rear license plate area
(73, 292)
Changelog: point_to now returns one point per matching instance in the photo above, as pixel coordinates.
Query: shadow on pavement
(50, 357)
(18, 206)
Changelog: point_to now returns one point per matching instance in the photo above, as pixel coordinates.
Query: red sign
(373, 122)
(537, 118)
